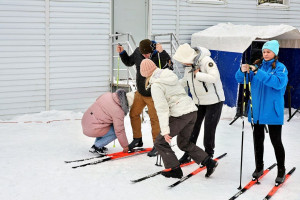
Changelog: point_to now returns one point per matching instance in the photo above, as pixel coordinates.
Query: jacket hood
(121, 99)
(202, 52)
(164, 76)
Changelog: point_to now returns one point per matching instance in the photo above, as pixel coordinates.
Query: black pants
(182, 127)
(275, 136)
(212, 114)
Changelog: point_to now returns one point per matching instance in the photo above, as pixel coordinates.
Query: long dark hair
(259, 61)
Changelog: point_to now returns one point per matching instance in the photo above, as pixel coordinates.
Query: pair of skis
(110, 157)
(255, 181)
(183, 178)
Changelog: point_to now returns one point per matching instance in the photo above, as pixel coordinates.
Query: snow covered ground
(32, 159)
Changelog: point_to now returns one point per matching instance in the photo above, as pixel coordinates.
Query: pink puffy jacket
(106, 111)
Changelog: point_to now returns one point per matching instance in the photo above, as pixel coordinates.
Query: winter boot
(153, 152)
(173, 173)
(185, 158)
(137, 142)
(280, 176)
(210, 165)
(100, 151)
(258, 171)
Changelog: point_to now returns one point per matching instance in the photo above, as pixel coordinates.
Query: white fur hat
(185, 54)
(130, 97)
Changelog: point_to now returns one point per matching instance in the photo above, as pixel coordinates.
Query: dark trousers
(212, 114)
(182, 127)
(275, 136)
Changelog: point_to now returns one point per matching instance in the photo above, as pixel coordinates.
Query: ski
(194, 172)
(83, 159)
(115, 156)
(159, 172)
(252, 182)
(276, 187)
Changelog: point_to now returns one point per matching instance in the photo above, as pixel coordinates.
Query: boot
(210, 166)
(185, 158)
(100, 151)
(153, 152)
(280, 176)
(173, 173)
(258, 171)
(137, 142)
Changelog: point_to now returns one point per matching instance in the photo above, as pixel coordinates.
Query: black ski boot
(258, 171)
(280, 176)
(100, 151)
(173, 173)
(185, 158)
(137, 142)
(210, 165)
(153, 152)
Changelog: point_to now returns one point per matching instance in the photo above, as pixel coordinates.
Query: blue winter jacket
(267, 91)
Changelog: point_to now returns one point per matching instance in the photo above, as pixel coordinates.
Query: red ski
(276, 187)
(194, 172)
(115, 156)
(159, 172)
(251, 183)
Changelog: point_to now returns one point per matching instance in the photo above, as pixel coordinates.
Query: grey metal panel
(195, 17)
(22, 57)
(79, 52)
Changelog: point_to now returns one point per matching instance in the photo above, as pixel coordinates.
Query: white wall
(75, 46)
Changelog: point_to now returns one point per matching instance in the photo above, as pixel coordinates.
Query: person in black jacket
(154, 51)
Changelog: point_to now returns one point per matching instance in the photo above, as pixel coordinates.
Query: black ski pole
(243, 127)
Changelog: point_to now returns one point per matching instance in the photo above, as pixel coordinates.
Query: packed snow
(34, 148)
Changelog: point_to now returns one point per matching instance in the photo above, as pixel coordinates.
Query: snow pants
(139, 103)
(275, 136)
(182, 128)
(212, 114)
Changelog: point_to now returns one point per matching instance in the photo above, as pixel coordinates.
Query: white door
(129, 16)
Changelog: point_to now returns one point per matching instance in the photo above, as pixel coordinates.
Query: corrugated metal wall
(194, 17)
(22, 57)
(77, 46)
(79, 52)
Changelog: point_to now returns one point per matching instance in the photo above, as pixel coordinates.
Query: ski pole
(243, 127)
(159, 60)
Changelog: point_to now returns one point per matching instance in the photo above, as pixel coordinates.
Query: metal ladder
(130, 81)
(170, 38)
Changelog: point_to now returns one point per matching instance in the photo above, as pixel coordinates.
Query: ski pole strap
(159, 60)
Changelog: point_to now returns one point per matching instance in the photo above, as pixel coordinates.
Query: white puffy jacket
(206, 87)
(170, 98)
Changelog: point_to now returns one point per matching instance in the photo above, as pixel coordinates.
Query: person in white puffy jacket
(203, 80)
(177, 115)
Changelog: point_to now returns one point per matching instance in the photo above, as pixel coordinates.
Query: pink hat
(147, 67)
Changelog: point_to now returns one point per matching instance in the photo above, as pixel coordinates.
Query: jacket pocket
(277, 109)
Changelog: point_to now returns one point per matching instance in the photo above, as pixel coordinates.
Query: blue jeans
(106, 139)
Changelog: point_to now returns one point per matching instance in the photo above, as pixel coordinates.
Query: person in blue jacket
(268, 80)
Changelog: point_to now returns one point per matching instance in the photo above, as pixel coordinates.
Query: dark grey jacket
(136, 58)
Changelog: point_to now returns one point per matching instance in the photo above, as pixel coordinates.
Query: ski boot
(173, 173)
(210, 165)
(258, 172)
(280, 176)
(153, 152)
(185, 158)
(137, 142)
(100, 151)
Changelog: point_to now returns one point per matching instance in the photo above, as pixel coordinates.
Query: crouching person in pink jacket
(105, 120)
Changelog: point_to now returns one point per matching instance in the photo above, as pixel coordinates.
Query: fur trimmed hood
(123, 100)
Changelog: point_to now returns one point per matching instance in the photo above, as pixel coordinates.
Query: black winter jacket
(135, 59)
